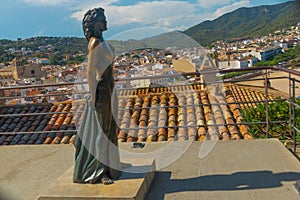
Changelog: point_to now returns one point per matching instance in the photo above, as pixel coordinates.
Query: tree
(278, 111)
(54, 60)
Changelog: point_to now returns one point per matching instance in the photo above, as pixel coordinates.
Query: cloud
(85, 5)
(164, 14)
(231, 7)
(169, 14)
(212, 3)
(47, 2)
(159, 12)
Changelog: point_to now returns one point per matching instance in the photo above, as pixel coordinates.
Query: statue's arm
(92, 62)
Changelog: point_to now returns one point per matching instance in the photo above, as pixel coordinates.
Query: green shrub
(278, 111)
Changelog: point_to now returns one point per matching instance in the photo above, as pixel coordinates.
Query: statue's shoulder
(93, 43)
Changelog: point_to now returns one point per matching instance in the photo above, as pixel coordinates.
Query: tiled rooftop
(175, 113)
(179, 113)
(248, 96)
(37, 123)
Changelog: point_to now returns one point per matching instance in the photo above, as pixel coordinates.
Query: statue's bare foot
(106, 181)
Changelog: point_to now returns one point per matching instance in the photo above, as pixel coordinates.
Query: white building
(234, 64)
(265, 54)
(44, 61)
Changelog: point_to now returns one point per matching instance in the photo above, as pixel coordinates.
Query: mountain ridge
(246, 21)
(242, 22)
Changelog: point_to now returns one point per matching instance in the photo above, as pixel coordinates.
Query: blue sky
(29, 18)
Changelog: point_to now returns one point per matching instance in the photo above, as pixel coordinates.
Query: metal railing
(292, 77)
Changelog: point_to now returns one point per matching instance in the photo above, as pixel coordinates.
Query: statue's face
(101, 24)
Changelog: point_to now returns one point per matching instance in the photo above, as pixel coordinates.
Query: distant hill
(161, 41)
(243, 22)
(254, 21)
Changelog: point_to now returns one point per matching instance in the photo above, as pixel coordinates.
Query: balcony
(170, 112)
(239, 166)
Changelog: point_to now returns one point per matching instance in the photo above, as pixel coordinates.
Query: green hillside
(254, 21)
(243, 22)
(161, 41)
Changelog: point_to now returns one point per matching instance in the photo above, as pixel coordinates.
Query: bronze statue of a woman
(97, 158)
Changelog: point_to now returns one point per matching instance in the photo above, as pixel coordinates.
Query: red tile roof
(175, 113)
(41, 121)
(157, 114)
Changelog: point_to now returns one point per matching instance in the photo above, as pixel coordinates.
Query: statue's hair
(88, 21)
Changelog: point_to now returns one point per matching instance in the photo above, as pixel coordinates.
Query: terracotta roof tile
(170, 113)
(172, 119)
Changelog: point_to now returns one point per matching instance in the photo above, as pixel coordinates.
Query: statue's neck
(101, 39)
(99, 36)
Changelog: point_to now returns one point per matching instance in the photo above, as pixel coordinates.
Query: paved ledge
(130, 186)
(25, 171)
(235, 170)
(258, 169)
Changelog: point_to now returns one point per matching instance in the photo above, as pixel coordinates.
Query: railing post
(294, 114)
(290, 105)
(267, 104)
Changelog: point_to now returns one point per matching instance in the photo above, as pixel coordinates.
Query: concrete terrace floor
(257, 169)
(278, 84)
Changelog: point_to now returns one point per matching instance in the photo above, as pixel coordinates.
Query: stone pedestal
(129, 186)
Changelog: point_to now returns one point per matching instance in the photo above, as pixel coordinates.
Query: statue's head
(94, 23)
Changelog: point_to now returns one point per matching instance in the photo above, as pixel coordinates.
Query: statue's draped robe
(96, 143)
